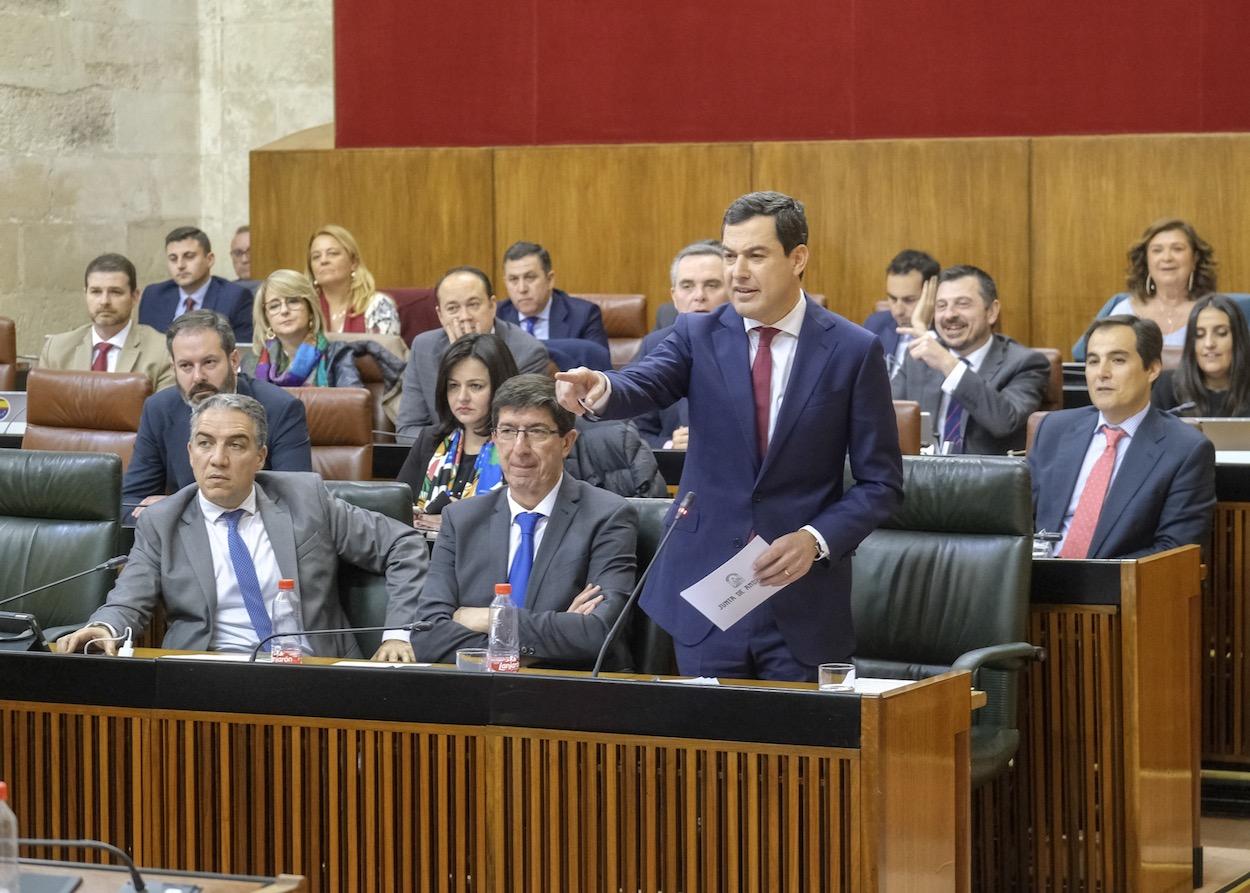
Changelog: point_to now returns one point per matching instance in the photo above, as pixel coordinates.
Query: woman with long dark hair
(1214, 371)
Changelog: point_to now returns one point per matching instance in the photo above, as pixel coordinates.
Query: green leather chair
(363, 593)
(944, 584)
(650, 647)
(59, 513)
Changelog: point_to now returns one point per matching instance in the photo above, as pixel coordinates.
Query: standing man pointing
(782, 391)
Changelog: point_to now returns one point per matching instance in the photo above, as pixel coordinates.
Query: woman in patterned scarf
(294, 351)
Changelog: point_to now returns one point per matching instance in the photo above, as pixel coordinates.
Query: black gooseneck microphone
(683, 508)
(114, 562)
(136, 881)
(1183, 408)
(417, 626)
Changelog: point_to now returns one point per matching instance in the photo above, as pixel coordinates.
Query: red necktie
(100, 361)
(1089, 506)
(188, 305)
(762, 384)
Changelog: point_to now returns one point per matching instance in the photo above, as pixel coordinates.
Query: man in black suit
(538, 307)
(193, 287)
(979, 388)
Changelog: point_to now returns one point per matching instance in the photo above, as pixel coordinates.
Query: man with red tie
(781, 392)
(1121, 479)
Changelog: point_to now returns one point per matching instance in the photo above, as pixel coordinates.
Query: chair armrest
(1011, 656)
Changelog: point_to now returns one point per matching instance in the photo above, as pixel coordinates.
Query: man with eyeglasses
(566, 547)
(466, 306)
(241, 257)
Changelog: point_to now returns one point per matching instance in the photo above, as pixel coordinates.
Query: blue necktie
(529, 322)
(523, 560)
(245, 574)
(952, 430)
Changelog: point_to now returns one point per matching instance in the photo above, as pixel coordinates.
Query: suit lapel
(500, 531)
(558, 319)
(1068, 460)
(129, 355)
(199, 555)
(210, 296)
(931, 395)
(813, 353)
(1140, 459)
(557, 528)
(281, 534)
(733, 357)
(82, 352)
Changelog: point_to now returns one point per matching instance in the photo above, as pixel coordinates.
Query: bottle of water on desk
(286, 619)
(503, 651)
(9, 882)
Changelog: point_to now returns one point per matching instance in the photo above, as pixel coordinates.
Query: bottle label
(287, 654)
(504, 663)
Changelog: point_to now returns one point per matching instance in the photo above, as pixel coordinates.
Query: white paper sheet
(728, 593)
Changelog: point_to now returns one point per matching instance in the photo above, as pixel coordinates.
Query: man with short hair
(189, 256)
(201, 345)
(466, 305)
(905, 277)
(978, 387)
(782, 392)
(1121, 479)
(112, 341)
(537, 306)
(697, 279)
(215, 551)
(241, 258)
(566, 547)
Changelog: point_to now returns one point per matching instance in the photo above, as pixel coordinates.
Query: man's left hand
(476, 619)
(787, 559)
(395, 651)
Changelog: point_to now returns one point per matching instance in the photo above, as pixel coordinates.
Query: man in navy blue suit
(193, 287)
(1121, 479)
(781, 392)
(904, 279)
(537, 306)
(201, 344)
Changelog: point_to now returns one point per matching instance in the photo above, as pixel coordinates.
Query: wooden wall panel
(963, 201)
(415, 212)
(1093, 196)
(614, 216)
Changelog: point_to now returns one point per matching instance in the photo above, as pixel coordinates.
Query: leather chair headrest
(94, 401)
(624, 316)
(947, 493)
(60, 486)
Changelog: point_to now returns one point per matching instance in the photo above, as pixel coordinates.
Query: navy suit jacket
(657, 425)
(570, 318)
(837, 404)
(160, 463)
(884, 326)
(1162, 496)
(162, 302)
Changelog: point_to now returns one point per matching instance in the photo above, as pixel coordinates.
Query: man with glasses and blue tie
(566, 547)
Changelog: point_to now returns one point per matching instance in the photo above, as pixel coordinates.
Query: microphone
(115, 562)
(1184, 407)
(136, 881)
(417, 626)
(683, 509)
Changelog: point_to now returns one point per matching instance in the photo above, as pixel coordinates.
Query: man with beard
(201, 344)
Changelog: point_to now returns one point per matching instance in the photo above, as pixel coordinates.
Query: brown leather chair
(84, 412)
(625, 320)
(339, 426)
(1030, 428)
(8, 354)
(1054, 388)
(907, 415)
(418, 311)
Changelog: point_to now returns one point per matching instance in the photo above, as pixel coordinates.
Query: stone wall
(121, 119)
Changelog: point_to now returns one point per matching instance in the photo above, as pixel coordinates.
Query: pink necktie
(100, 362)
(762, 384)
(1090, 504)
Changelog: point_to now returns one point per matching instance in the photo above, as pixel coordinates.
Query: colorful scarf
(440, 474)
(310, 361)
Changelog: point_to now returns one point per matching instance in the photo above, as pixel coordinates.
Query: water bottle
(503, 652)
(9, 882)
(285, 617)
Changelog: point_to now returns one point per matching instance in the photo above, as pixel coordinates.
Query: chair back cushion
(418, 311)
(625, 321)
(8, 354)
(650, 647)
(340, 428)
(1054, 385)
(96, 412)
(907, 415)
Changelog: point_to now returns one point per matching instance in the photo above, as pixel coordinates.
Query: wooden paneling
(614, 216)
(1093, 196)
(1226, 640)
(414, 213)
(963, 201)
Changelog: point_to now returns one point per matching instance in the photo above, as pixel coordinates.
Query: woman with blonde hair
(350, 301)
(293, 351)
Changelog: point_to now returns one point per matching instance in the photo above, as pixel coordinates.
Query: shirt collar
(1129, 425)
(212, 511)
(198, 294)
(118, 340)
(545, 313)
(977, 357)
(545, 506)
(790, 323)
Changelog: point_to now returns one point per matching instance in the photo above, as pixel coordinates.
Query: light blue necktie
(529, 322)
(245, 574)
(523, 560)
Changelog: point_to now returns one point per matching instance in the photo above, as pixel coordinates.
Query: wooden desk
(407, 779)
(1226, 626)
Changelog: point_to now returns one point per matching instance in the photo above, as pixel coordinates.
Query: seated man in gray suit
(466, 305)
(566, 547)
(215, 550)
(979, 388)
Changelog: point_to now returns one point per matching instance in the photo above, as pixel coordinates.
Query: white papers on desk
(237, 657)
(728, 593)
(374, 664)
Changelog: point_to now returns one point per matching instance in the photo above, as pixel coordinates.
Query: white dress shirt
(545, 507)
(542, 320)
(118, 341)
(1097, 444)
(971, 361)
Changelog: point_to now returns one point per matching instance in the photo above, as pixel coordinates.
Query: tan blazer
(144, 351)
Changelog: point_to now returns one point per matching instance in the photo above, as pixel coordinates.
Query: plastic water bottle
(286, 619)
(503, 652)
(9, 882)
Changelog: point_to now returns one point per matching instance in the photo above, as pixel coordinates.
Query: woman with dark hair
(455, 458)
(1214, 372)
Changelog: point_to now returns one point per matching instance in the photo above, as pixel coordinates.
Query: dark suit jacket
(837, 404)
(1162, 496)
(570, 318)
(590, 538)
(657, 425)
(884, 326)
(162, 302)
(160, 464)
(998, 399)
(310, 531)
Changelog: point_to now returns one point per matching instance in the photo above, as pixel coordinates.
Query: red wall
(504, 72)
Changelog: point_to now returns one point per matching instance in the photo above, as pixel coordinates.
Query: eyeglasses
(278, 303)
(240, 252)
(537, 434)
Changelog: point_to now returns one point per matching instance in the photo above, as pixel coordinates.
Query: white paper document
(726, 594)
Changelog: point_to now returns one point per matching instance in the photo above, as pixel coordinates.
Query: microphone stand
(114, 562)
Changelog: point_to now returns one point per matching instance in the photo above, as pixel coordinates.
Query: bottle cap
(286, 584)
(4, 792)
(503, 589)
